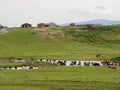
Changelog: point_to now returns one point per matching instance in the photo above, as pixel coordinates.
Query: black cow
(79, 63)
(73, 63)
(61, 62)
(95, 64)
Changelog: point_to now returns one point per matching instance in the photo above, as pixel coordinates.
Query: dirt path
(4, 30)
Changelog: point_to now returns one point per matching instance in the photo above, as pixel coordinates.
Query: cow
(112, 66)
(40, 60)
(106, 63)
(87, 63)
(61, 62)
(95, 64)
(73, 63)
(41, 65)
(15, 67)
(79, 63)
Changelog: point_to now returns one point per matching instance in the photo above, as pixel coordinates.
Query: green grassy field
(61, 78)
(71, 43)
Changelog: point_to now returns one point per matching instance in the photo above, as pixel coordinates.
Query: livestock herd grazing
(109, 64)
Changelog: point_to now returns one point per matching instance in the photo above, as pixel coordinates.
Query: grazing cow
(58, 63)
(115, 63)
(31, 67)
(73, 63)
(10, 67)
(79, 63)
(40, 60)
(106, 63)
(112, 66)
(41, 65)
(87, 63)
(61, 62)
(15, 67)
(95, 64)
(54, 60)
(47, 60)
(64, 62)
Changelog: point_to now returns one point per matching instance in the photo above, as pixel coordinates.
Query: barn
(51, 24)
(26, 25)
(42, 25)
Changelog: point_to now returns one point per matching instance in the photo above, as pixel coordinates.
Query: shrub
(116, 59)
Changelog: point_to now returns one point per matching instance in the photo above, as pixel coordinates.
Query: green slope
(61, 43)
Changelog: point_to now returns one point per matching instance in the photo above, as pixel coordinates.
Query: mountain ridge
(96, 21)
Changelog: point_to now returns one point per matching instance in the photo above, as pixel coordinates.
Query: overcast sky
(16, 12)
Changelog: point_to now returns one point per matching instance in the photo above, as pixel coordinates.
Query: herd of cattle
(18, 68)
(110, 64)
(83, 63)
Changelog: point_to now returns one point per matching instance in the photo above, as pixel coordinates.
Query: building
(42, 25)
(26, 25)
(52, 24)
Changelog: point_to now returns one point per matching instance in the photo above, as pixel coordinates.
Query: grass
(61, 78)
(71, 43)
(6, 64)
(60, 43)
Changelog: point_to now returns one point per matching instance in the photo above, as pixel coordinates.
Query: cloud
(103, 11)
(97, 12)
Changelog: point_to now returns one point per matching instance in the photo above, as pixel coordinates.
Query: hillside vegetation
(74, 43)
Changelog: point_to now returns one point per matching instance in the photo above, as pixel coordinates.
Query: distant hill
(98, 21)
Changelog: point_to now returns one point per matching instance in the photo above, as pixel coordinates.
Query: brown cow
(112, 66)
(87, 63)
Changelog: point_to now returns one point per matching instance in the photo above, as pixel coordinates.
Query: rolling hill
(67, 43)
